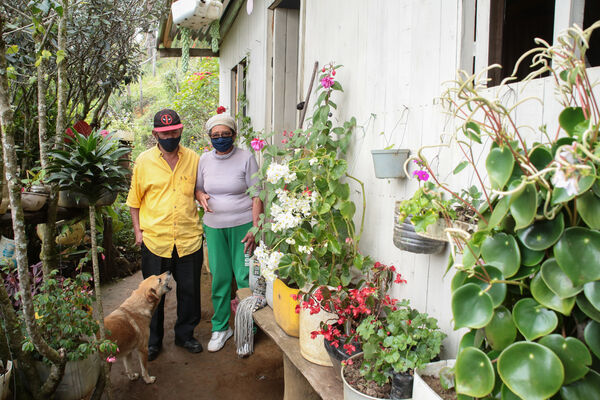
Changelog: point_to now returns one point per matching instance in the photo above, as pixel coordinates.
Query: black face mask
(222, 144)
(169, 144)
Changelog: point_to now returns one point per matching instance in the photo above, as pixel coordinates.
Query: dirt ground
(182, 375)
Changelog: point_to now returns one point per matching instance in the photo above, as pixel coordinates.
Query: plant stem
(364, 207)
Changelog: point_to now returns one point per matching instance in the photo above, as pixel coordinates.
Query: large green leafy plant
(402, 341)
(308, 226)
(528, 282)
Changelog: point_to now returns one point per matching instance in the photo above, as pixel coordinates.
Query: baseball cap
(166, 120)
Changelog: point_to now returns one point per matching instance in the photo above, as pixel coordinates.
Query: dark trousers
(186, 271)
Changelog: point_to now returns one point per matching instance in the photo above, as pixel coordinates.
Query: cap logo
(166, 119)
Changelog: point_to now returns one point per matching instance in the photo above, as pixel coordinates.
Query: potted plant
(434, 380)
(34, 192)
(388, 162)
(527, 282)
(393, 347)
(350, 306)
(308, 229)
(63, 310)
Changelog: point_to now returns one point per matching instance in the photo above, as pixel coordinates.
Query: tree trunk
(10, 162)
(99, 307)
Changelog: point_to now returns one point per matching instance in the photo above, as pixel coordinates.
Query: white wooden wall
(396, 56)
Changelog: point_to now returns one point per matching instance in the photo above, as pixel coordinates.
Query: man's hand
(203, 200)
(139, 237)
(249, 243)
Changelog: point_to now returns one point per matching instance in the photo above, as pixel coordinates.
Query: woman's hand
(203, 200)
(249, 243)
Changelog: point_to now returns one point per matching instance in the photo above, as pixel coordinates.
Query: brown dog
(129, 325)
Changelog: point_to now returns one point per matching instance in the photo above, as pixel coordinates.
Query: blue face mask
(169, 144)
(222, 144)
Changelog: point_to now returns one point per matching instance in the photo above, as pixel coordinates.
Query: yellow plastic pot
(284, 308)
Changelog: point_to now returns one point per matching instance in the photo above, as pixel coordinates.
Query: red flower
(399, 279)
(221, 110)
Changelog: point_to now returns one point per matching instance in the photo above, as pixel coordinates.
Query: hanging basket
(389, 163)
(196, 14)
(405, 238)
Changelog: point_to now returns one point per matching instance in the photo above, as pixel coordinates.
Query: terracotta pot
(284, 308)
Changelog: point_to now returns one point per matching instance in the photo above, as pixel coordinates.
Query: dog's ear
(152, 296)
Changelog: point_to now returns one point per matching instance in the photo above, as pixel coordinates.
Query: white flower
(305, 249)
(290, 241)
(268, 261)
(276, 171)
(312, 161)
(560, 180)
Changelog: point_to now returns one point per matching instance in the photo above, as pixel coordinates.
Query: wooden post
(312, 80)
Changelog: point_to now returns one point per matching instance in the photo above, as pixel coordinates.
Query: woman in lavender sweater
(228, 192)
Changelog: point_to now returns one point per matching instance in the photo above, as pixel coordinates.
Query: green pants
(226, 260)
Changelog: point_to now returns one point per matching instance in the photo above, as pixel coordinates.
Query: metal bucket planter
(5, 380)
(421, 390)
(389, 163)
(79, 379)
(405, 238)
(68, 199)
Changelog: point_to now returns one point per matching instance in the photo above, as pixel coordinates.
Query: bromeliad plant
(308, 226)
(528, 282)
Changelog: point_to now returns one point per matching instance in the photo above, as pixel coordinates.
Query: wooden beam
(193, 53)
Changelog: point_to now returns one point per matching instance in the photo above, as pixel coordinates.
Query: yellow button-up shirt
(165, 197)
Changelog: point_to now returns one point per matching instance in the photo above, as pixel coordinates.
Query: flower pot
(338, 354)
(313, 349)
(421, 390)
(389, 163)
(32, 201)
(71, 236)
(7, 250)
(196, 14)
(79, 379)
(284, 308)
(349, 392)
(5, 380)
(405, 238)
(402, 386)
(69, 199)
(269, 292)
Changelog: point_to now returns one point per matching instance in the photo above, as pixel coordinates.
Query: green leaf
(588, 206)
(578, 254)
(502, 251)
(587, 308)
(591, 335)
(501, 331)
(12, 49)
(499, 165)
(523, 206)
(592, 293)
(531, 370)
(543, 295)
(348, 209)
(460, 167)
(471, 307)
(557, 281)
(497, 290)
(542, 234)
(573, 354)
(586, 389)
(472, 131)
(533, 320)
(530, 257)
(572, 120)
(540, 157)
(337, 86)
(474, 373)
(500, 210)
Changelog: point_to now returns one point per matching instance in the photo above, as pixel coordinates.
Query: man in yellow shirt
(167, 227)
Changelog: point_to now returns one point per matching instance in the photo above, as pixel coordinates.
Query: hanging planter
(196, 14)
(389, 163)
(405, 238)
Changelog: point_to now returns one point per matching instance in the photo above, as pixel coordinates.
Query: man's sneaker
(218, 339)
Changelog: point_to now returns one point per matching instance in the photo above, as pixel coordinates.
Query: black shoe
(192, 345)
(153, 352)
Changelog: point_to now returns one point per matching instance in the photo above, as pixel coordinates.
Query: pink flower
(111, 359)
(421, 175)
(284, 141)
(102, 257)
(104, 132)
(327, 82)
(348, 240)
(257, 144)
(221, 110)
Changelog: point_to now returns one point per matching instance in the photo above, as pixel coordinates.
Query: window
(238, 92)
(514, 24)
